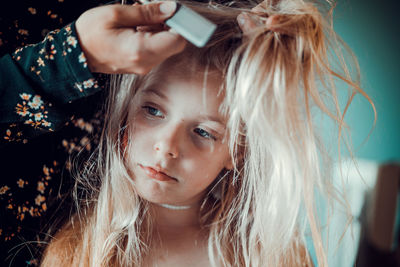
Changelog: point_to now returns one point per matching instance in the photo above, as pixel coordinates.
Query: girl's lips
(154, 174)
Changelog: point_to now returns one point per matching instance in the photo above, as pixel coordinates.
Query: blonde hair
(273, 82)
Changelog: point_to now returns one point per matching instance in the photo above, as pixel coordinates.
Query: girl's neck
(177, 218)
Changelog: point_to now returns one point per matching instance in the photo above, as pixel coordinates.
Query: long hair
(275, 81)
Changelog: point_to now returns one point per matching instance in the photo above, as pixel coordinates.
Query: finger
(246, 23)
(149, 14)
(260, 7)
(152, 28)
(272, 22)
(165, 44)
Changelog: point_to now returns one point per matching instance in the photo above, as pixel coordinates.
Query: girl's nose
(166, 150)
(168, 144)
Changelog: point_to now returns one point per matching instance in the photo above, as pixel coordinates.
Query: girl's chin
(156, 193)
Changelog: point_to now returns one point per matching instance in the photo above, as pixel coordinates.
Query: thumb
(148, 14)
(164, 44)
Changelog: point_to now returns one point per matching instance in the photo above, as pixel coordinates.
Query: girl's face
(176, 135)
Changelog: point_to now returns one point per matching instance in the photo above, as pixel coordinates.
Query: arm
(38, 82)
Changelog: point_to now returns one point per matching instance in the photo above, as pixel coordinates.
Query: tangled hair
(275, 81)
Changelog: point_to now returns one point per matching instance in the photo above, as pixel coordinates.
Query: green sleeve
(39, 82)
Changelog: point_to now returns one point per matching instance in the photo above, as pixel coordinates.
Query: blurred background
(371, 29)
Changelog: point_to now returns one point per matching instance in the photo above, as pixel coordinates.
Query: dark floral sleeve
(39, 82)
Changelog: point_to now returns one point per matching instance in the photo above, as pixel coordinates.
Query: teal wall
(372, 30)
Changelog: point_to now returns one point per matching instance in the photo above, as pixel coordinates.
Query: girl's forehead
(186, 68)
(206, 92)
(202, 79)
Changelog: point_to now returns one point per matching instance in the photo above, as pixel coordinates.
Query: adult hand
(112, 42)
(248, 22)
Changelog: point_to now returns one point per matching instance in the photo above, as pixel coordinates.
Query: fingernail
(241, 19)
(168, 7)
(173, 31)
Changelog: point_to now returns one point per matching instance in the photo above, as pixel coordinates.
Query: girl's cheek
(202, 145)
(144, 128)
(143, 121)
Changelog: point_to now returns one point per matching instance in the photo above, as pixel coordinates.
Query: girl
(212, 158)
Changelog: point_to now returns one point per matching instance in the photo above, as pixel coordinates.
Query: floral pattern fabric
(51, 66)
(50, 109)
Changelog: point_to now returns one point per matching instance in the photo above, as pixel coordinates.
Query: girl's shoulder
(61, 250)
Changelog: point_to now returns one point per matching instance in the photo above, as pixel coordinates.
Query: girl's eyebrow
(213, 119)
(155, 92)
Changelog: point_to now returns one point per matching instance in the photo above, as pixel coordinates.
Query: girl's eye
(204, 134)
(153, 111)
